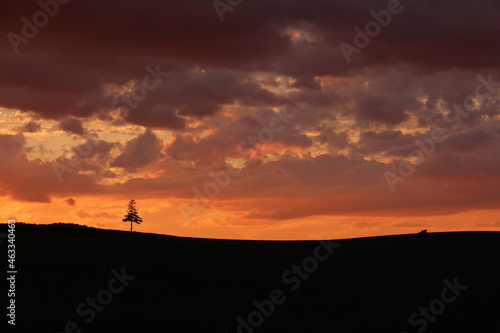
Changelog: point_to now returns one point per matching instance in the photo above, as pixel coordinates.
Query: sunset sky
(156, 101)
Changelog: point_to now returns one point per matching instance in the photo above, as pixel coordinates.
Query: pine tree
(132, 214)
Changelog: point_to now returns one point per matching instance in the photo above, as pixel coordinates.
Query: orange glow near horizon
(164, 217)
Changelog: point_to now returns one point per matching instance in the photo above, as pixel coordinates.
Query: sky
(252, 119)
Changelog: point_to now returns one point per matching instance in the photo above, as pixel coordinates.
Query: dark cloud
(62, 71)
(31, 127)
(139, 152)
(70, 201)
(388, 142)
(72, 125)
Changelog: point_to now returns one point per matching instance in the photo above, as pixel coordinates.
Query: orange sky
(161, 216)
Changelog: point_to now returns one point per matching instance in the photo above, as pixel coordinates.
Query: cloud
(67, 70)
(139, 152)
(31, 127)
(70, 201)
(98, 215)
(232, 134)
(72, 125)
(33, 180)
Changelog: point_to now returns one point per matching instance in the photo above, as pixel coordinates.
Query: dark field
(201, 285)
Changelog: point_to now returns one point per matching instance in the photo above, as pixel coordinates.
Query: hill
(73, 278)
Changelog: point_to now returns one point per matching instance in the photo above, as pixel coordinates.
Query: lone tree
(132, 214)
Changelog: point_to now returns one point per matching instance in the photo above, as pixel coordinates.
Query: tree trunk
(130, 226)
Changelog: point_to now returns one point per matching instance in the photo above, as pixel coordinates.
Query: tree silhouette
(132, 214)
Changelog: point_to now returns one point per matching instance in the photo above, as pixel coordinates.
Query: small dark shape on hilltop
(423, 232)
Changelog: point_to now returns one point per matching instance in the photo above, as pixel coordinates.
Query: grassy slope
(199, 285)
